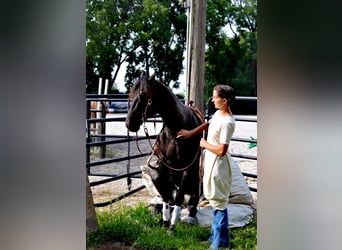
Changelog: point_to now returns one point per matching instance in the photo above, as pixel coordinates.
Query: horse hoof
(166, 224)
(171, 231)
(189, 220)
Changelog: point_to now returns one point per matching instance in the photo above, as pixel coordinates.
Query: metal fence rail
(101, 140)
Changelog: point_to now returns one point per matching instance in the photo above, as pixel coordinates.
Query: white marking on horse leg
(175, 215)
(166, 211)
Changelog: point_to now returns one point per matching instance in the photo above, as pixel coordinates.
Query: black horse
(177, 168)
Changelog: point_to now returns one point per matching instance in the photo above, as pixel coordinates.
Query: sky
(121, 83)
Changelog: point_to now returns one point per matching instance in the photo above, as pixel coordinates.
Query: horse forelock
(133, 90)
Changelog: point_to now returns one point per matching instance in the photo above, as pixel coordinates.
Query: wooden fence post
(91, 218)
(197, 50)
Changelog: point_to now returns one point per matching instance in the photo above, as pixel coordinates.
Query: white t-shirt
(217, 178)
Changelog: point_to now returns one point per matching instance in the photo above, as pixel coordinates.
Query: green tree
(160, 41)
(145, 34)
(108, 41)
(231, 60)
(150, 35)
(243, 14)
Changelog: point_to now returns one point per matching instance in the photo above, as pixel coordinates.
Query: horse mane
(164, 87)
(142, 82)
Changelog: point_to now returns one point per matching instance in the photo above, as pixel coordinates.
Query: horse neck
(169, 107)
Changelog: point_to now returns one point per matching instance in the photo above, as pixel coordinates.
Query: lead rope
(201, 161)
(168, 165)
(136, 141)
(201, 169)
(143, 118)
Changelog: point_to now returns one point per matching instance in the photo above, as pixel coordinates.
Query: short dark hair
(225, 91)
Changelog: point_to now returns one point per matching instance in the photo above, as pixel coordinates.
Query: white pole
(106, 87)
(98, 107)
(100, 86)
(99, 92)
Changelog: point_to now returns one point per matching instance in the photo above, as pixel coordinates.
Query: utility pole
(91, 219)
(196, 51)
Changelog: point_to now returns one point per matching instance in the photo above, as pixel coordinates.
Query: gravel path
(108, 191)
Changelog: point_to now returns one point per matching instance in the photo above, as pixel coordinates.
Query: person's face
(218, 101)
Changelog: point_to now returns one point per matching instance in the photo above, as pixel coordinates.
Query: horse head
(141, 102)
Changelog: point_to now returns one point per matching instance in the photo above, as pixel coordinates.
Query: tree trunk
(197, 51)
(91, 220)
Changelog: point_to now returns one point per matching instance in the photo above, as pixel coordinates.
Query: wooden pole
(91, 218)
(197, 51)
(187, 4)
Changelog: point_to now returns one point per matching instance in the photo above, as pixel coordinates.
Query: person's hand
(183, 134)
(203, 142)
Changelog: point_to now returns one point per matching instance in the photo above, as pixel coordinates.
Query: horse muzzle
(133, 127)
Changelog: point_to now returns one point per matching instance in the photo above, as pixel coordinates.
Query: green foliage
(180, 95)
(245, 237)
(150, 35)
(231, 60)
(186, 237)
(137, 227)
(145, 34)
(124, 225)
(161, 42)
(111, 30)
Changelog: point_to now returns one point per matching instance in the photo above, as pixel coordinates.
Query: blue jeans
(219, 236)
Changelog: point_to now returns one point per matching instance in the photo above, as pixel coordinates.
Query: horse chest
(170, 149)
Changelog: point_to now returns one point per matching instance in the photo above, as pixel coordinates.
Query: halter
(143, 119)
(144, 115)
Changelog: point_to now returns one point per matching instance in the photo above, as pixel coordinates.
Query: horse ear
(152, 76)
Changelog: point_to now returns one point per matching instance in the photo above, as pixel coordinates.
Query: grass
(137, 227)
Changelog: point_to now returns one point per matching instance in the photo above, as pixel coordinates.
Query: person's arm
(219, 150)
(184, 134)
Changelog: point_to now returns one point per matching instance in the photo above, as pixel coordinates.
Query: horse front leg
(176, 213)
(161, 182)
(166, 213)
(192, 208)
